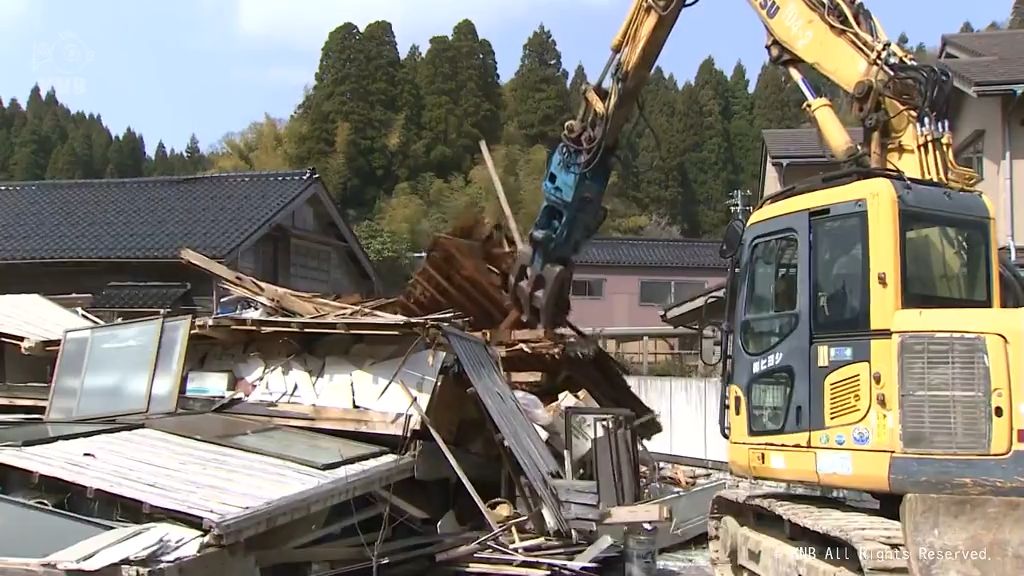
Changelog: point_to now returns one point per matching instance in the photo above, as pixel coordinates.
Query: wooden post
(501, 195)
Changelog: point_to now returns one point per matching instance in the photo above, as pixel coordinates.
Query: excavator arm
(902, 104)
(581, 165)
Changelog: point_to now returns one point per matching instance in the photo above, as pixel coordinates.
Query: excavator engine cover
(963, 535)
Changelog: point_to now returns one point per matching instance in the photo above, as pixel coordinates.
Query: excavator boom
(902, 104)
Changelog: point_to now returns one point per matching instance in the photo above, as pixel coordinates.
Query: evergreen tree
(161, 161)
(966, 28)
(412, 149)
(777, 101)
(576, 86)
(1017, 15)
(538, 95)
(743, 134)
(64, 164)
(711, 163)
(29, 160)
(194, 155)
(462, 99)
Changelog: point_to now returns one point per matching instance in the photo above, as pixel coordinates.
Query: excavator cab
(869, 350)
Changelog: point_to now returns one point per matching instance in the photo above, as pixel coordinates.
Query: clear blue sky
(212, 66)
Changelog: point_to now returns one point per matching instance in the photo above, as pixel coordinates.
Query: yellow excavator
(873, 339)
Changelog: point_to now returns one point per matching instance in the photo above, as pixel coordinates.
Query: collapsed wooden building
(328, 435)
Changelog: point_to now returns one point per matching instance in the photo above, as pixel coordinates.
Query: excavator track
(781, 534)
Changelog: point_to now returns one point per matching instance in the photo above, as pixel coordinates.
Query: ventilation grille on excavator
(945, 394)
(844, 399)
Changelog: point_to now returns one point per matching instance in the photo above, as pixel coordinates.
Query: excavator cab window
(841, 295)
(946, 262)
(771, 311)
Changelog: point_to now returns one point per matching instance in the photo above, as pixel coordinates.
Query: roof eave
(999, 88)
(218, 258)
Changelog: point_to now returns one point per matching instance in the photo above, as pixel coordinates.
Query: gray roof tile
(143, 296)
(999, 43)
(987, 71)
(651, 252)
(141, 218)
(987, 58)
(801, 143)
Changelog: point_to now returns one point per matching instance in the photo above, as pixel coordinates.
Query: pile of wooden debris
(445, 375)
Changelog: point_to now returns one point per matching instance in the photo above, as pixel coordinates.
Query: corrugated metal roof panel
(212, 483)
(34, 317)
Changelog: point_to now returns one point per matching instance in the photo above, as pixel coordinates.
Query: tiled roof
(143, 296)
(661, 253)
(801, 143)
(987, 71)
(1000, 43)
(984, 59)
(141, 218)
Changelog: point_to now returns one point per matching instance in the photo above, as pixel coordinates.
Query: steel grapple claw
(542, 299)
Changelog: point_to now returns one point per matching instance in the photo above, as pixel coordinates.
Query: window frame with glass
(977, 262)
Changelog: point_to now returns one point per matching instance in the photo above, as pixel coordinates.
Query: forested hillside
(44, 139)
(396, 137)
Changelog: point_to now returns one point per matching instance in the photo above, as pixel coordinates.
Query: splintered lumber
(509, 217)
(297, 303)
(262, 292)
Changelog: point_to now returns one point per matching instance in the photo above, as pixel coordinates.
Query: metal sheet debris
(517, 431)
(34, 317)
(157, 543)
(202, 480)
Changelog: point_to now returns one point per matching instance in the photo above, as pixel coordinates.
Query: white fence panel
(688, 409)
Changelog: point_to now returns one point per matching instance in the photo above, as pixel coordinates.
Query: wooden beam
(509, 217)
(274, 296)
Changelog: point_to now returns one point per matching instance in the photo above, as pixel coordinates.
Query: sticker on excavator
(769, 361)
(861, 436)
(840, 354)
(835, 463)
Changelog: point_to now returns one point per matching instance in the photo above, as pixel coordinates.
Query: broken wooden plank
(268, 294)
(570, 564)
(481, 568)
(637, 513)
(582, 512)
(595, 549)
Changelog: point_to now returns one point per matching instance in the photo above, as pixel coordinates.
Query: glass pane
(22, 524)
(840, 274)
(769, 400)
(169, 363)
(67, 378)
(772, 295)
(319, 450)
(683, 290)
(205, 426)
(946, 263)
(40, 433)
(119, 368)
(657, 293)
(773, 287)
